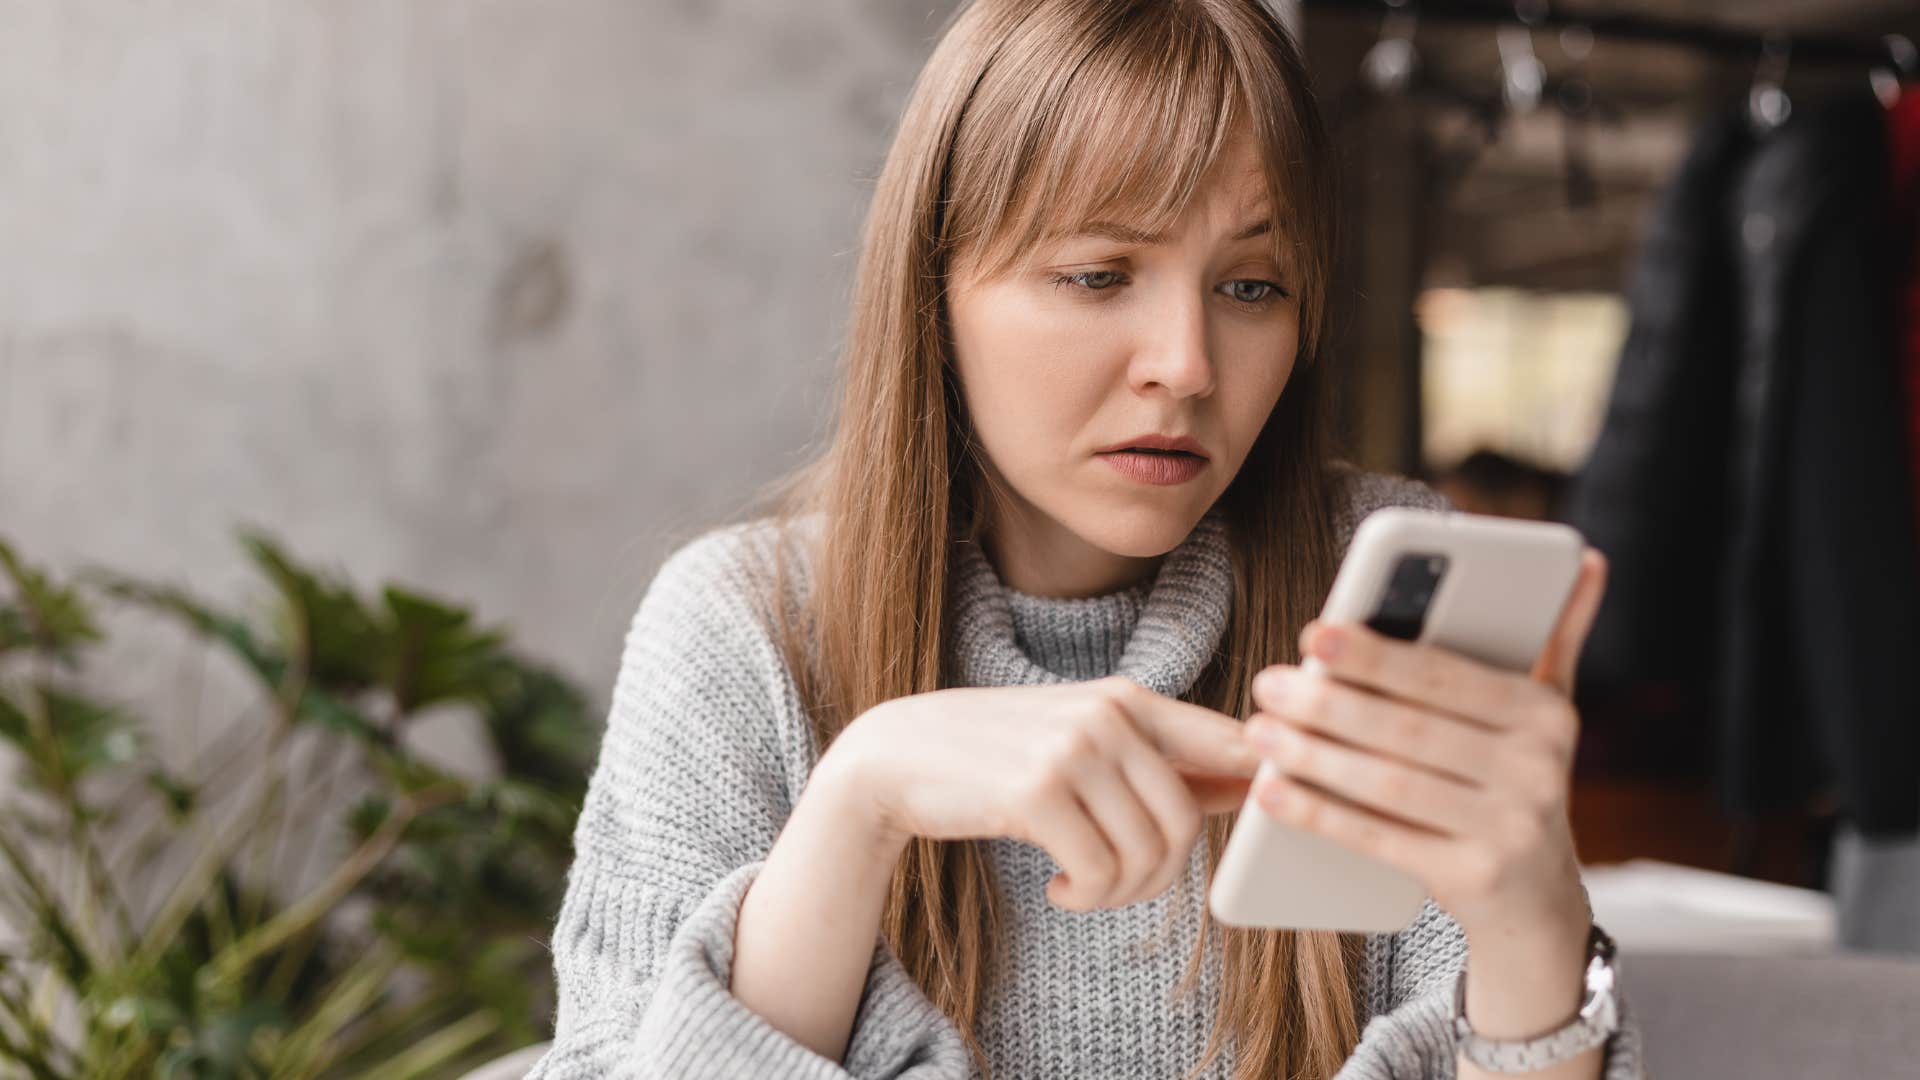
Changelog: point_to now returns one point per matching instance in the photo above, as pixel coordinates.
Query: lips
(1155, 442)
(1157, 467)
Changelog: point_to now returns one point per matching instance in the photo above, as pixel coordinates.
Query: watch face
(1599, 987)
(1598, 1018)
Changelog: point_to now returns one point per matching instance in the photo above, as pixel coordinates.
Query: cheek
(1253, 376)
(1031, 378)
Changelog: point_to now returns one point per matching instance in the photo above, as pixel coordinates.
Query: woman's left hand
(1452, 770)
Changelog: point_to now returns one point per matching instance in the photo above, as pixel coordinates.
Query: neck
(1035, 555)
(1161, 633)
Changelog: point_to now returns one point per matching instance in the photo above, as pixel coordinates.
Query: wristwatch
(1598, 1018)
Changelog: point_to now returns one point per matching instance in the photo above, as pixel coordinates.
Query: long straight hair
(1031, 115)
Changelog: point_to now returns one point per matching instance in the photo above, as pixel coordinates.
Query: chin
(1136, 531)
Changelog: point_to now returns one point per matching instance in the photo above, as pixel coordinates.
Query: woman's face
(1104, 340)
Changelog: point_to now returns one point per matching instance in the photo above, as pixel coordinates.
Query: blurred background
(335, 333)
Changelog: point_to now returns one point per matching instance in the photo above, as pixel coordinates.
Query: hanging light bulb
(1523, 76)
(1390, 65)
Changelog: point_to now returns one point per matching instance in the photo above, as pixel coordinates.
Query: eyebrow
(1126, 234)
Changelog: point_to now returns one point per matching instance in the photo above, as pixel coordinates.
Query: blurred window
(1523, 373)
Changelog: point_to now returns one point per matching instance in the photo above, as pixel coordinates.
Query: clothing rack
(1838, 49)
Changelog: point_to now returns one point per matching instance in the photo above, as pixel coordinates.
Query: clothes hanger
(1903, 60)
(1768, 105)
(1392, 68)
(1523, 78)
(1575, 98)
(1391, 64)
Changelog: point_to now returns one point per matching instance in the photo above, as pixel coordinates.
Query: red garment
(1903, 146)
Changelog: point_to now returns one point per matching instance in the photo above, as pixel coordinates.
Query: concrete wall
(500, 299)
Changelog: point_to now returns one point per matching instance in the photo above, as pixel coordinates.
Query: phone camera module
(1402, 611)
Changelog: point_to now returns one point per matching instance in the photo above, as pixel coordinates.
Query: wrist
(845, 789)
(1551, 921)
(1526, 978)
(1560, 938)
(1567, 1049)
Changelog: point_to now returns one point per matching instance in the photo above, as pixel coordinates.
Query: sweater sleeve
(703, 756)
(1413, 1039)
(1359, 493)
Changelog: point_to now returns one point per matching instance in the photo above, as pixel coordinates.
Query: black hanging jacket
(1750, 485)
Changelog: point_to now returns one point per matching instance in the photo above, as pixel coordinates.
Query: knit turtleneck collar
(1160, 634)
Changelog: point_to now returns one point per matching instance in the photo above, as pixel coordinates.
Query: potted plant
(418, 951)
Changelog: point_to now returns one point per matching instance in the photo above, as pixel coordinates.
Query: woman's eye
(1250, 292)
(1090, 280)
(1253, 292)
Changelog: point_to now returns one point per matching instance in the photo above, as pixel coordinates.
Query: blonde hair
(1033, 114)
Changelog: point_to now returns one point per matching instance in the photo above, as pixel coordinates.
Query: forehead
(1204, 172)
(1233, 193)
(1239, 166)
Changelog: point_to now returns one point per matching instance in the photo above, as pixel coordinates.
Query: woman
(909, 779)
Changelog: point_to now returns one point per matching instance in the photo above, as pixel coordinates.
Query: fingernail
(1247, 759)
(1282, 687)
(1273, 796)
(1327, 641)
(1283, 742)
(1260, 732)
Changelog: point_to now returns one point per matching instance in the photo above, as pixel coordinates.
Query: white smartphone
(1488, 588)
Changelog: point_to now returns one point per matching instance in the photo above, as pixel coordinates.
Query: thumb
(1561, 657)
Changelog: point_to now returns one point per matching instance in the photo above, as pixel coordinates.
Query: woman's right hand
(1110, 778)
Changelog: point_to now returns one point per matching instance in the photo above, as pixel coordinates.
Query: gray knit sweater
(707, 749)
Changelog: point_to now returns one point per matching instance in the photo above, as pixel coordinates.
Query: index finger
(1191, 737)
(1422, 673)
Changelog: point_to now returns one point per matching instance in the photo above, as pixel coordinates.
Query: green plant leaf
(223, 1043)
(89, 734)
(147, 1014)
(330, 711)
(435, 653)
(14, 725)
(48, 616)
(367, 815)
(80, 736)
(406, 773)
(320, 620)
(517, 802)
(25, 1036)
(53, 935)
(352, 994)
(179, 797)
(226, 980)
(541, 727)
(15, 631)
(231, 961)
(205, 621)
(438, 1049)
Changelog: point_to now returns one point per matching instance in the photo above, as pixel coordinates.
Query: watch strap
(1599, 1017)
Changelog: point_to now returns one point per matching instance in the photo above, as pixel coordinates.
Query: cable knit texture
(707, 748)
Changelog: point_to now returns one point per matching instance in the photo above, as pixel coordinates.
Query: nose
(1173, 349)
